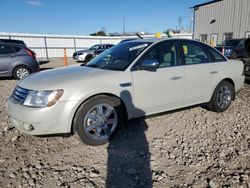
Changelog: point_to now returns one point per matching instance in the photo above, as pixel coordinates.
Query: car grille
(20, 94)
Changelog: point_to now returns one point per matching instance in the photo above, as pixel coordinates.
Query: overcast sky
(86, 16)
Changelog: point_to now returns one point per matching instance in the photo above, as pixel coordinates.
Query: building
(218, 20)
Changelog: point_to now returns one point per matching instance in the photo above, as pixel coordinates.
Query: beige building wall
(220, 19)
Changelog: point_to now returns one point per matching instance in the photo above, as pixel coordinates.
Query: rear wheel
(98, 119)
(21, 72)
(222, 97)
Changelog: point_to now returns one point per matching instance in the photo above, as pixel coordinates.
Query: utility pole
(123, 25)
(191, 21)
(180, 21)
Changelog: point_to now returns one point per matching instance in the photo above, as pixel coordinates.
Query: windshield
(120, 56)
(94, 47)
(234, 42)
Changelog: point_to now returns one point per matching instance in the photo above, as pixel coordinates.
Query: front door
(160, 90)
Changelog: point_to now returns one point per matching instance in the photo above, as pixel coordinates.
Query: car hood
(60, 78)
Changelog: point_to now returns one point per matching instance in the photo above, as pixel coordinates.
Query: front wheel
(222, 97)
(88, 58)
(98, 119)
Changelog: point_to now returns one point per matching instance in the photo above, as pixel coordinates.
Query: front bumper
(42, 121)
(79, 57)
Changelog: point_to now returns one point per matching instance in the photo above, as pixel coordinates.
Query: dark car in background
(237, 49)
(88, 54)
(247, 70)
(13, 41)
(17, 61)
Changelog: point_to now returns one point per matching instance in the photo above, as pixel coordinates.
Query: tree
(99, 33)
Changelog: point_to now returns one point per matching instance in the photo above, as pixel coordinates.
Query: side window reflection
(164, 53)
(194, 54)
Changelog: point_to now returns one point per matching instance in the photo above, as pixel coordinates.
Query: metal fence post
(46, 48)
(74, 43)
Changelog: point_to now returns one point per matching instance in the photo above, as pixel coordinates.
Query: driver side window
(164, 53)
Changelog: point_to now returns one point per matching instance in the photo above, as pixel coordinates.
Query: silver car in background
(133, 79)
(88, 54)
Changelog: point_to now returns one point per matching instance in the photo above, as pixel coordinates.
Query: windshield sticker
(138, 47)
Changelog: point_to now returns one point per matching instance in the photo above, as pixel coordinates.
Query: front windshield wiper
(90, 65)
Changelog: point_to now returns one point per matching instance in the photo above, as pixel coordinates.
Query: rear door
(6, 58)
(200, 72)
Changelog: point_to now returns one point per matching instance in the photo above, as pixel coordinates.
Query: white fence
(48, 46)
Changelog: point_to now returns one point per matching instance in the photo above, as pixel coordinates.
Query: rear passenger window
(16, 49)
(216, 56)
(4, 49)
(194, 53)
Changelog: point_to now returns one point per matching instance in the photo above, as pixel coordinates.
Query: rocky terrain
(187, 148)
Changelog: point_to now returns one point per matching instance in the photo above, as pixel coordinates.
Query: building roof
(207, 3)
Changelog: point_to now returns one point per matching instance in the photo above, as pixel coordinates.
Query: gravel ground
(187, 148)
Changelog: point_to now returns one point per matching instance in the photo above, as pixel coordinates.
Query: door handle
(213, 72)
(176, 77)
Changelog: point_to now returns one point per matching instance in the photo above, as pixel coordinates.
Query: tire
(90, 121)
(21, 72)
(222, 97)
(88, 58)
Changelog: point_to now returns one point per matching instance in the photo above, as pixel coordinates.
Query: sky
(82, 17)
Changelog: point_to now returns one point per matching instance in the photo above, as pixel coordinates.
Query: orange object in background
(65, 61)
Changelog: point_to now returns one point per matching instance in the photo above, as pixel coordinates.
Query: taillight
(31, 53)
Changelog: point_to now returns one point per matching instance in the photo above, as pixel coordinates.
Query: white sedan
(130, 80)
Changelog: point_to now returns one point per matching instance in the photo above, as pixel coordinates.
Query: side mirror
(149, 65)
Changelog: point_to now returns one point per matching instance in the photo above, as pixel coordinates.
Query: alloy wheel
(224, 97)
(100, 122)
(22, 73)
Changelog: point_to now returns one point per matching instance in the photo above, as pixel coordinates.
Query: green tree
(99, 33)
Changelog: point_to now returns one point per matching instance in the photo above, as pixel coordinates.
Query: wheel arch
(125, 114)
(227, 79)
(88, 55)
(19, 65)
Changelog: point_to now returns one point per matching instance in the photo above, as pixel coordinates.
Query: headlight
(42, 98)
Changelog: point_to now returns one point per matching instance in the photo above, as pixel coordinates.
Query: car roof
(155, 40)
(12, 44)
(106, 44)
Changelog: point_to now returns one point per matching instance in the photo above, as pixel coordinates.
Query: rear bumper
(239, 82)
(35, 66)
